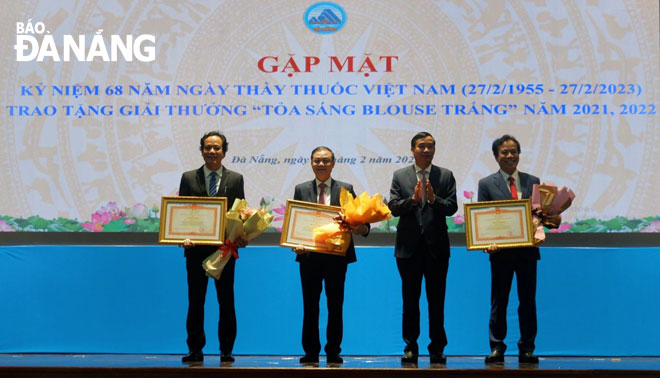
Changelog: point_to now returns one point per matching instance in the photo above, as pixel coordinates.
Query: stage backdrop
(102, 103)
(94, 299)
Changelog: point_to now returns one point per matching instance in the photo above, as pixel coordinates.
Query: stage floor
(350, 362)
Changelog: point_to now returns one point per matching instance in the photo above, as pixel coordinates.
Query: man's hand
(240, 242)
(417, 193)
(358, 229)
(493, 248)
(299, 250)
(430, 196)
(187, 243)
(552, 221)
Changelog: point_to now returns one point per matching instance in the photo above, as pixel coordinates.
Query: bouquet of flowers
(548, 203)
(362, 209)
(242, 222)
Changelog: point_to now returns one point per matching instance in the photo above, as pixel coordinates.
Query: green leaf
(21, 223)
(115, 226)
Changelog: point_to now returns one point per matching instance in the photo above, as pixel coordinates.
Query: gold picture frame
(200, 219)
(300, 218)
(505, 223)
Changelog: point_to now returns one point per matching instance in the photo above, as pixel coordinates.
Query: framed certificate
(505, 223)
(200, 219)
(300, 219)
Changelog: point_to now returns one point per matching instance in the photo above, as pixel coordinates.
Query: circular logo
(325, 18)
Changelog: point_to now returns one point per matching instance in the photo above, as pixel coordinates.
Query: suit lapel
(222, 188)
(500, 184)
(311, 191)
(525, 189)
(335, 189)
(434, 176)
(412, 177)
(200, 181)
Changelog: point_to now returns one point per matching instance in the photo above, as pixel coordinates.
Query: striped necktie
(213, 184)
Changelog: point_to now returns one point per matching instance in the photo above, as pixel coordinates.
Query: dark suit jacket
(193, 184)
(427, 224)
(307, 192)
(495, 188)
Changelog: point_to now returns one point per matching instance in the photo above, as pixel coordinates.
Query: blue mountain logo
(325, 18)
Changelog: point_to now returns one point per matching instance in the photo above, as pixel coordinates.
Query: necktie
(213, 184)
(512, 186)
(423, 187)
(322, 187)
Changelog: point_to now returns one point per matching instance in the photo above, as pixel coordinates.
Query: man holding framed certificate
(510, 184)
(210, 180)
(318, 267)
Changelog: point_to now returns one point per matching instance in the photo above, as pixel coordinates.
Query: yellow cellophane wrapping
(362, 209)
(333, 235)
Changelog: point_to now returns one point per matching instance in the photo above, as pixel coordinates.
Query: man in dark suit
(423, 195)
(212, 179)
(318, 267)
(506, 184)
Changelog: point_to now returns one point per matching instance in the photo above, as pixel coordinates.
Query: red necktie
(512, 186)
(322, 187)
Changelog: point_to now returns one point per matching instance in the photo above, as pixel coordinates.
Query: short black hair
(320, 148)
(500, 141)
(225, 145)
(420, 135)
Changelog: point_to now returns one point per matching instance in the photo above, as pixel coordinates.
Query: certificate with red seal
(302, 218)
(505, 223)
(200, 219)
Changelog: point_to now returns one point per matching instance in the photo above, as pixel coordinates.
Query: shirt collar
(207, 171)
(427, 169)
(515, 176)
(327, 182)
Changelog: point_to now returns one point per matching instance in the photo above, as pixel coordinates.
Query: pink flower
(468, 194)
(96, 227)
(458, 219)
(653, 227)
(112, 209)
(5, 227)
(105, 215)
(246, 213)
(562, 227)
(129, 221)
(279, 210)
(102, 217)
(138, 211)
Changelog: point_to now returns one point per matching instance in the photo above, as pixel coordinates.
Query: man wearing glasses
(315, 268)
